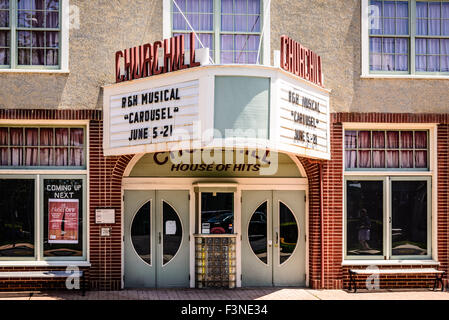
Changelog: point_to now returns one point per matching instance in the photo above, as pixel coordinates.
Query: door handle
(277, 238)
(159, 238)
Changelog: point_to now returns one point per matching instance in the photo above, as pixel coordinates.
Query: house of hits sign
(143, 61)
(301, 61)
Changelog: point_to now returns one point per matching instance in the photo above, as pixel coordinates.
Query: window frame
(217, 32)
(84, 218)
(9, 28)
(387, 218)
(384, 222)
(200, 210)
(39, 175)
(39, 217)
(395, 175)
(395, 36)
(412, 73)
(63, 50)
(429, 217)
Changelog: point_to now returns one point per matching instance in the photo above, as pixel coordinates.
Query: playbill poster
(63, 220)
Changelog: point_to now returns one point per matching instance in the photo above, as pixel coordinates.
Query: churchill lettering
(143, 61)
(301, 61)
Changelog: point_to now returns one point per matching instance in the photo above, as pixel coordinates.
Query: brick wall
(105, 192)
(313, 175)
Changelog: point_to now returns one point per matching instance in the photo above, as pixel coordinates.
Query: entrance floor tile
(230, 294)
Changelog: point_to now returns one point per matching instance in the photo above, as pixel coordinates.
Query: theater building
(282, 143)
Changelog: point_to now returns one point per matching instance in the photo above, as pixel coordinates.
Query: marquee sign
(153, 116)
(177, 111)
(303, 118)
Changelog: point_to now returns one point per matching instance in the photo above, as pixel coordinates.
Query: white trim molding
(65, 36)
(42, 263)
(365, 38)
(389, 262)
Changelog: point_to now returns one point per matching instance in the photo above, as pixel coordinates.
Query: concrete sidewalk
(234, 294)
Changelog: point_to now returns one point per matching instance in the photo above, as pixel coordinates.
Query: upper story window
(45, 147)
(407, 37)
(231, 29)
(30, 34)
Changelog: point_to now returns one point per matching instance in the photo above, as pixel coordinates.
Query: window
(60, 216)
(389, 43)
(42, 147)
(17, 220)
(30, 34)
(217, 213)
(231, 29)
(387, 210)
(397, 229)
(43, 213)
(407, 37)
(386, 149)
(364, 218)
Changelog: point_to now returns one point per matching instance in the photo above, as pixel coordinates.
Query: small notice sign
(170, 227)
(205, 228)
(105, 216)
(105, 232)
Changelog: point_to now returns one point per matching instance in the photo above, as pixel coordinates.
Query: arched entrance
(260, 200)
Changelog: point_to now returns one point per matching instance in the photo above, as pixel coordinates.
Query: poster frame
(84, 216)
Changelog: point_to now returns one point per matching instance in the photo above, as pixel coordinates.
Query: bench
(46, 274)
(423, 271)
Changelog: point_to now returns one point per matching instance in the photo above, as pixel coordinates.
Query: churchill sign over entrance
(283, 109)
(143, 61)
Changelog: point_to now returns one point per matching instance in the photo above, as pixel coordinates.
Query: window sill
(37, 71)
(405, 76)
(389, 262)
(44, 263)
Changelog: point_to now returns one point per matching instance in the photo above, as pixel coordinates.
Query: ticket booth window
(217, 212)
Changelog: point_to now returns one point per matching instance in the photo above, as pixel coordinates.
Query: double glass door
(156, 239)
(273, 238)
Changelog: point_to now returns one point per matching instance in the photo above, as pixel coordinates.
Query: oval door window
(172, 232)
(257, 232)
(288, 232)
(141, 232)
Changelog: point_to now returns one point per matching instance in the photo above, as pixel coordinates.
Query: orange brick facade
(105, 191)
